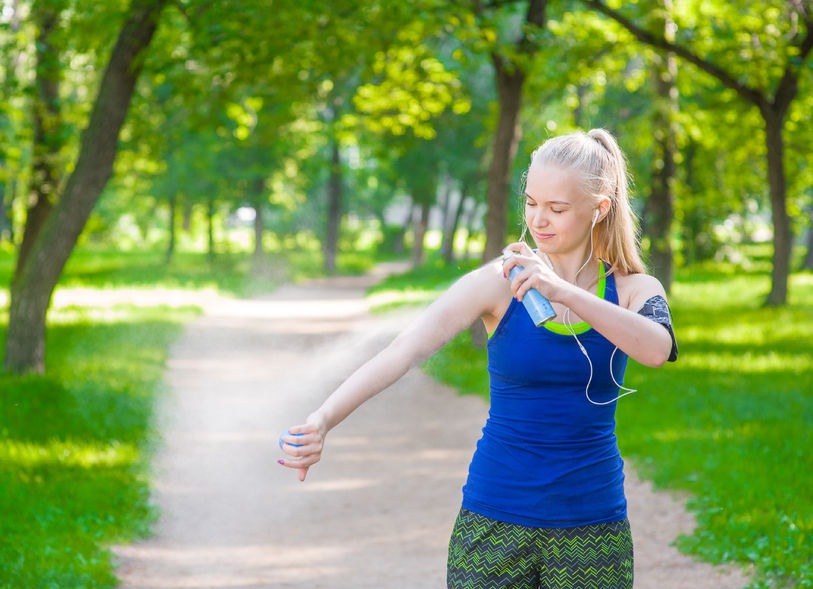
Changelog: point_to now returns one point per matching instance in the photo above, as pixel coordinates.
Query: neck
(577, 269)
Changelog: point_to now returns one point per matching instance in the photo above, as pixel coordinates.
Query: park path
(377, 511)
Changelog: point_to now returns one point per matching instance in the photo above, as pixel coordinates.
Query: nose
(538, 217)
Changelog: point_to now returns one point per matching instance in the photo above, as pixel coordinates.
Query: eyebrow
(550, 202)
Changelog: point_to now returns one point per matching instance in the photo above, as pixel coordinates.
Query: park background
(156, 147)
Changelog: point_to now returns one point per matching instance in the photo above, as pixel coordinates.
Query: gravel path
(377, 511)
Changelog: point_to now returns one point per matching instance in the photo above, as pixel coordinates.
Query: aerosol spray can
(538, 307)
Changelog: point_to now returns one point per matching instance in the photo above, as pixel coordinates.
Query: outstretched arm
(473, 296)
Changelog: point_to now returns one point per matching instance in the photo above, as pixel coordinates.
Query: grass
(731, 422)
(75, 443)
(74, 447)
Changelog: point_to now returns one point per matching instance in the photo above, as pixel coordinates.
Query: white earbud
(595, 216)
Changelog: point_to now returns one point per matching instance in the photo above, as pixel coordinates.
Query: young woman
(544, 502)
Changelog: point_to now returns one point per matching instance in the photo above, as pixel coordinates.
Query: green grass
(75, 443)
(74, 447)
(731, 422)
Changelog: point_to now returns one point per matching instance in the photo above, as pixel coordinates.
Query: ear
(602, 209)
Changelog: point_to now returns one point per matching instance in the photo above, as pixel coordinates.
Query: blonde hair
(603, 168)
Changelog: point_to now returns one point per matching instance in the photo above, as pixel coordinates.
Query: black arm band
(657, 309)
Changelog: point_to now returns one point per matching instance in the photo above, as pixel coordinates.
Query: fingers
(302, 445)
(519, 255)
(519, 247)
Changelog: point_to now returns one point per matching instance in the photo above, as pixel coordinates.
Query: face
(557, 212)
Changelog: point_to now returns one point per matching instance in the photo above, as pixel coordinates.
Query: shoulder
(486, 287)
(635, 289)
(487, 280)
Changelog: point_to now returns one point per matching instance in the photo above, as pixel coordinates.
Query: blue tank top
(548, 457)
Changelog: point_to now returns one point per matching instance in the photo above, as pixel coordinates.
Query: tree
(34, 284)
(9, 127)
(771, 85)
(660, 206)
(510, 70)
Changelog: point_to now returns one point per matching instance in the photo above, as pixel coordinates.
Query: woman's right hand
(302, 445)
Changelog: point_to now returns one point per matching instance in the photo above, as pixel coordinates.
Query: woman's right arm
(480, 293)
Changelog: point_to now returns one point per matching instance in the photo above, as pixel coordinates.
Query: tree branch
(748, 93)
(535, 17)
(789, 84)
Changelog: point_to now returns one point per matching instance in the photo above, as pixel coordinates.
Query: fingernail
(281, 461)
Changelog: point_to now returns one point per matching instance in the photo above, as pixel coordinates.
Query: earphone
(595, 217)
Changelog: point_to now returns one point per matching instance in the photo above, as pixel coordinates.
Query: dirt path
(377, 512)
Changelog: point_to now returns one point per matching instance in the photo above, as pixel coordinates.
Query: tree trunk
(660, 207)
(259, 220)
(334, 207)
(173, 213)
(398, 242)
(31, 292)
(210, 228)
(510, 81)
(420, 233)
(510, 78)
(448, 251)
(807, 264)
(47, 121)
(782, 237)
(447, 241)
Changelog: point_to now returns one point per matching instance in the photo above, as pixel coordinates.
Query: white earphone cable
(569, 326)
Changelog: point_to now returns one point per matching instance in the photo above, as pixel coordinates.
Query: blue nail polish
(290, 434)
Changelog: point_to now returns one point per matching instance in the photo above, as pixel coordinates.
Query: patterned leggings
(489, 554)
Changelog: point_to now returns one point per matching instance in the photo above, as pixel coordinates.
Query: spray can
(537, 305)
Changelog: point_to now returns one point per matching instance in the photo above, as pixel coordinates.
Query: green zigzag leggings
(489, 554)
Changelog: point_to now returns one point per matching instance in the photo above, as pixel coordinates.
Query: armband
(657, 309)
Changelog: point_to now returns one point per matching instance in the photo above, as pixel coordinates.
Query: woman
(544, 502)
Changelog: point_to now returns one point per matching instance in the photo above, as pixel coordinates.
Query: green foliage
(74, 447)
(730, 422)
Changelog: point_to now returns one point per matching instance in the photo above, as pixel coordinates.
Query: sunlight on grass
(72, 454)
(751, 362)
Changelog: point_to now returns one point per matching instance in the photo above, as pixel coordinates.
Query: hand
(535, 273)
(303, 446)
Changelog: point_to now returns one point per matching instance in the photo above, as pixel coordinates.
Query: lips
(543, 236)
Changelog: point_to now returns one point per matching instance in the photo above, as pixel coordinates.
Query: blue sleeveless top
(548, 457)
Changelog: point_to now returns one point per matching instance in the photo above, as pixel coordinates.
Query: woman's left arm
(640, 337)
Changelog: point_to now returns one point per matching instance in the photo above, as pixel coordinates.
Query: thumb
(303, 472)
